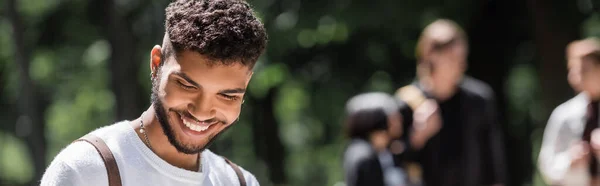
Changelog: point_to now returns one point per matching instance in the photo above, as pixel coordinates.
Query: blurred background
(70, 66)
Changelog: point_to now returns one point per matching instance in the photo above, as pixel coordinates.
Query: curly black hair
(226, 31)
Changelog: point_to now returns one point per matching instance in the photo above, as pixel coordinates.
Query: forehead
(581, 48)
(200, 69)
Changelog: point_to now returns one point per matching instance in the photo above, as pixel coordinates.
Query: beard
(163, 119)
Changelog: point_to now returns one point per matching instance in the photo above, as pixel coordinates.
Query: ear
(155, 59)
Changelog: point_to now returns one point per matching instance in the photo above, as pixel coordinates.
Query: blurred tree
(124, 65)
(30, 124)
(552, 33)
(495, 30)
(265, 130)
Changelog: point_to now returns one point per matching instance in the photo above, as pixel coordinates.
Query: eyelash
(230, 98)
(185, 86)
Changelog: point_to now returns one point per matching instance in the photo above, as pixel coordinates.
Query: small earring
(152, 75)
(243, 100)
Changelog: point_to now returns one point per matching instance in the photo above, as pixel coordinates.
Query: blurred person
(199, 77)
(568, 155)
(451, 120)
(372, 121)
(575, 50)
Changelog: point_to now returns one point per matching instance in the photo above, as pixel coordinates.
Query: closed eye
(184, 86)
(230, 98)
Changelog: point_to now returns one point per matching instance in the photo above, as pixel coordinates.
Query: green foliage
(14, 160)
(591, 27)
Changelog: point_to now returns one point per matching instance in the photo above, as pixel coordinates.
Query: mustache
(189, 115)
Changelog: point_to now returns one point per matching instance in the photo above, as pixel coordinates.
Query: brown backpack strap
(112, 170)
(237, 170)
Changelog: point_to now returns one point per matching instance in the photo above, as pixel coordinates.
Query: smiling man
(199, 77)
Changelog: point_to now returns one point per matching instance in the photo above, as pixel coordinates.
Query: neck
(592, 97)
(159, 143)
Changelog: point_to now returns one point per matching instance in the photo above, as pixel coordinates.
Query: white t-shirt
(80, 164)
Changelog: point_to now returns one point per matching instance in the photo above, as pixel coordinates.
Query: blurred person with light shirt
(569, 148)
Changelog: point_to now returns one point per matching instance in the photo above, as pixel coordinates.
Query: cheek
(231, 113)
(591, 83)
(446, 78)
(395, 125)
(596, 81)
(174, 97)
(574, 75)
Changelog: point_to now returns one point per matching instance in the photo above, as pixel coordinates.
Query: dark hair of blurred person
(451, 118)
(366, 159)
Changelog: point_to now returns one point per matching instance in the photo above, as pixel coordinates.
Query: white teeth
(194, 127)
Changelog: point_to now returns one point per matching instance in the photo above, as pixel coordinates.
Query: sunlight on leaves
(592, 26)
(380, 81)
(42, 66)
(326, 29)
(5, 38)
(15, 162)
(286, 20)
(97, 53)
(307, 38)
(341, 32)
(267, 77)
(36, 8)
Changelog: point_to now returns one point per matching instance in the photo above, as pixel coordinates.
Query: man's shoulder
(477, 88)
(578, 101)
(112, 135)
(360, 148)
(111, 131)
(224, 170)
(80, 153)
(574, 107)
(357, 152)
(78, 163)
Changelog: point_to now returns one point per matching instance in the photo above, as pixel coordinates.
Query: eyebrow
(226, 91)
(233, 91)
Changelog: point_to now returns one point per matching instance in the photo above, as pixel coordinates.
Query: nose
(202, 108)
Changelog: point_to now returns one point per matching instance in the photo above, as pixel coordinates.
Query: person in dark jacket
(366, 159)
(450, 118)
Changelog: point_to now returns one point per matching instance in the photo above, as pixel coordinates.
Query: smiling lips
(198, 126)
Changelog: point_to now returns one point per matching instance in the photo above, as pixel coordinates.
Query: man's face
(448, 67)
(196, 100)
(574, 53)
(590, 78)
(574, 74)
(395, 125)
